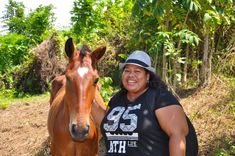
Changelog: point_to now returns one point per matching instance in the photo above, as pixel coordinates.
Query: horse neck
(98, 98)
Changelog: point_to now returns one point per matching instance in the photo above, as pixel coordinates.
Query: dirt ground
(23, 130)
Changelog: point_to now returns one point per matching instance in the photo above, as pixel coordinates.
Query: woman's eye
(96, 81)
(127, 71)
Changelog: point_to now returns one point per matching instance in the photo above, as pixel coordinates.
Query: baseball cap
(139, 58)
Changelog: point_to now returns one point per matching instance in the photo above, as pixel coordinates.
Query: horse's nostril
(74, 128)
(86, 129)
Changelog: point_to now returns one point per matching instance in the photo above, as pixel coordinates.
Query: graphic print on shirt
(119, 142)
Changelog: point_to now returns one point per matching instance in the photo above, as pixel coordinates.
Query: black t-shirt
(131, 128)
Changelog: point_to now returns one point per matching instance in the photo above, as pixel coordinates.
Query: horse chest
(63, 143)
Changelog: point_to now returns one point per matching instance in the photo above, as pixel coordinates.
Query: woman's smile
(134, 79)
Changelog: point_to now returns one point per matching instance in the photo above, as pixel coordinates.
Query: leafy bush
(106, 88)
(13, 50)
(5, 97)
(35, 74)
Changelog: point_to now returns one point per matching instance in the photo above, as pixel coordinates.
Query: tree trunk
(164, 67)
(211, 52)
(164, 63)
(176, 65)
(197, 68)
(156, 63)
(186, 63)
(204, 67)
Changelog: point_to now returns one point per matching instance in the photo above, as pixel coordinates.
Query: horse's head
(81, 80)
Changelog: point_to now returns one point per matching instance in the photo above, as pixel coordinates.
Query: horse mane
(83, 50)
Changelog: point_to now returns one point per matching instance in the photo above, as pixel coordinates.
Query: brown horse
(72, 130)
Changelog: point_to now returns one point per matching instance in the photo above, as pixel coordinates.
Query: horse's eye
(67, 78)
(96, 81)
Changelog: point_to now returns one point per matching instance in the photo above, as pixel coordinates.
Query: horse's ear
(69, 47)
(97, 54)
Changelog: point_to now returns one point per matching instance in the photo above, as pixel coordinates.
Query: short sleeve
(165, 98)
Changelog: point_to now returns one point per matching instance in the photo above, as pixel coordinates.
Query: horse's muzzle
(79, 133)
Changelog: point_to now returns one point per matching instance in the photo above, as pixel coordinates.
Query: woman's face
(134, 78)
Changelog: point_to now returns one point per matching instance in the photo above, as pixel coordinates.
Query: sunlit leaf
(179, 77)
(206, 17)
(181, 60)
(123, 56)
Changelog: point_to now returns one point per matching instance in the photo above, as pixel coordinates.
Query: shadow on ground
(184, 93)
(223, 145)
(44, 150)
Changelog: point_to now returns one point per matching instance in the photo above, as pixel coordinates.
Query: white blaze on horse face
(82, 71)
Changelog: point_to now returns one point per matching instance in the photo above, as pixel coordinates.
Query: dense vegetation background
(191, 43)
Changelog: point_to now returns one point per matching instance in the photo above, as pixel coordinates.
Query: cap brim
(151, 69)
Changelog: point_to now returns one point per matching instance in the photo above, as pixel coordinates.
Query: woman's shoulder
(160, 91)
(117, 96)
(163, 97)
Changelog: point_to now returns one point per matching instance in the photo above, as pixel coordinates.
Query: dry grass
(211, 112)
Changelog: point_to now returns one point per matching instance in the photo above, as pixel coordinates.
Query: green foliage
(14, 17)
(105, 23)
(33, 25)
(13, 50)
(212, 18)
(123, 56)
(190, 5)
(14, 9)
(25, 32)
(195, 64)
(38, 21)
(93, 20)
(7, 97)
(187, 36)
(86, 17)
(106, 88)
(4, 105)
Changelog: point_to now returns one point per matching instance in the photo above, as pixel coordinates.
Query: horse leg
(57, 83)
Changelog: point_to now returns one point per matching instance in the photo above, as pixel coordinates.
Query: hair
(155, 81)
(83, 50)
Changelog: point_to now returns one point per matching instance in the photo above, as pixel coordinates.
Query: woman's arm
(173, 122)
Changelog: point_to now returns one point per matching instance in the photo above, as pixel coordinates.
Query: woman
(144, 118)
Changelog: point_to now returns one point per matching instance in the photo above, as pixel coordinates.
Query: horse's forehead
(82, 71)
(83, 65)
